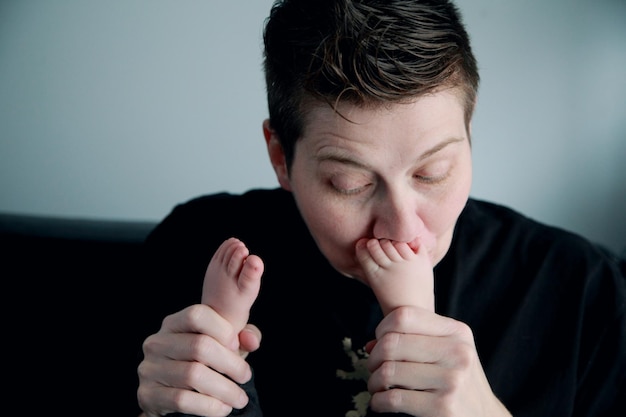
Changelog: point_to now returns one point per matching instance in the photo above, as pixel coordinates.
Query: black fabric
(546, 306)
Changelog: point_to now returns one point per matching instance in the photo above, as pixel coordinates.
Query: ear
(277, 155)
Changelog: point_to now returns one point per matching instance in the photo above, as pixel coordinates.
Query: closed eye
(352, 191)
(431, 179)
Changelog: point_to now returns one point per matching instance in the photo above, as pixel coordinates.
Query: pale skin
(231, 284)
(399, 274)
(400, 174)
(402, 279)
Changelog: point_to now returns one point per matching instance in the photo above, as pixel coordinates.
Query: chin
(437, 255)
(350, 271)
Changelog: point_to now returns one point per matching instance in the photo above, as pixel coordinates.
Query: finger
(249, 339)
(369, 346)
(407, 375)
(192, 347)
(200, 318)
(418, 320)
(165, 400)
(410, 402)
(403, 347)
(455, 351)
(193, 376)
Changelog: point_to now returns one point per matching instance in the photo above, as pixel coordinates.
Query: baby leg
(232, 282)
(398, 275)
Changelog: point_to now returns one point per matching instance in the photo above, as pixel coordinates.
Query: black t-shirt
(547, 307)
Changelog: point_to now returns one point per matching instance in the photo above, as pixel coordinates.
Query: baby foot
(232, 282)
(398, 275)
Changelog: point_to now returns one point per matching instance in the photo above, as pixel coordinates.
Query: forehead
(440, 113)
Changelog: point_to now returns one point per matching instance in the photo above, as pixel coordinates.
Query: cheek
(444, 214)
(330, 223)
(334, 227)
(453, 200)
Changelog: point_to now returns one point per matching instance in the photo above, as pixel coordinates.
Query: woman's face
(401, 172)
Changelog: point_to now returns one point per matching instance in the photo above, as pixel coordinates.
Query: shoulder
(503, 243)
(213, 212)
(252, 201)
(179, 248)
(496, 217)
(534, 278)
(259, 217)
(495, 227)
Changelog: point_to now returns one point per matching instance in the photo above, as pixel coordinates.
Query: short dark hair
(366, 52)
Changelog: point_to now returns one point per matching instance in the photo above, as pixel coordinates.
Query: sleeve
(253, 408)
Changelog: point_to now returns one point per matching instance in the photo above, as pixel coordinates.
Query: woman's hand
(421, 363)
(424, 364)
(192, 365)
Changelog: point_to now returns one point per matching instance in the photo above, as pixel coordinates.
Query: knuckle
(389, 344)
(444, 405)
(142, 396)
(143, 370)
(202, 346)
(381, 401)
(461, 329)
(194, 371)
(454, 380)
(167, 321)
(387, 372)
(194, 313)
(394, 398)
(149, 345)
(404, 315)
(240, 370)
(179, 398)
(463, 355)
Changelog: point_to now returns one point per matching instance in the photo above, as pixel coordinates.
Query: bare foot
(232, 281)
(398, 275)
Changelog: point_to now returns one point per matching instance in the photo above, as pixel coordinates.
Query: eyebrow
(345, 158)
(439, 147)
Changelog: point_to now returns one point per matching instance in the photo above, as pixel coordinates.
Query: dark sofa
(72, 338)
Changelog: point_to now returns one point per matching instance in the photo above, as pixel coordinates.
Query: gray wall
(121, 109)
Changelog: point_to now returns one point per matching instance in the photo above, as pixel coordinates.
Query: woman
(491, 313)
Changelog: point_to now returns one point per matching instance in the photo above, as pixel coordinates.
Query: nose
(397, 217)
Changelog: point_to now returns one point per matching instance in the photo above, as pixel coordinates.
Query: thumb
(249, 339)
